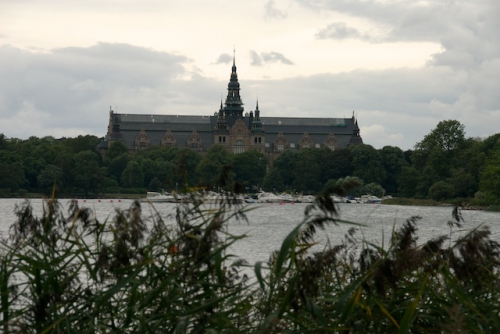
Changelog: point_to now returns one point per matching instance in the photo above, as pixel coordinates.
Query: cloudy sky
(401, 65)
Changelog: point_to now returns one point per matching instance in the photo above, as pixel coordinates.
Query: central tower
(233, 106)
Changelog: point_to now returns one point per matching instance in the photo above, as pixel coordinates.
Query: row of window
(239, 145)
(222, 139)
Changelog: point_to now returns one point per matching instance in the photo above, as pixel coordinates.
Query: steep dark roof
(155, 126)
(318, 129)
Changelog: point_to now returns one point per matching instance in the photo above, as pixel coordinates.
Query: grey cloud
(340, 30)
(276, 57)
(224, 58)
(122, 53)
(467, 30)
(272, 11)
(256, 60)
(268, 57)
(71, 86)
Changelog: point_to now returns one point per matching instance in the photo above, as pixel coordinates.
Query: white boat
(353, 200)
(287, 198)
(338, 199)
(370, 199)
(306, 199)
(212, 197)
(265, 197)
(156, 197)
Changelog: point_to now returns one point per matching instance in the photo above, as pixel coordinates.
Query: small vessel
(337, 199)
(265, 197)
(211, 197)
(370, 199)
(249, 199)
(306, 199)
(156, 197)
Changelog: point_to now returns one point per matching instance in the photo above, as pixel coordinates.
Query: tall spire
(257, 111)
(256, 123)
(356, 137)
(221, 125)
(234, 105)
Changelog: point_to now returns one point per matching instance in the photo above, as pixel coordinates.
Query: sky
(401, 66)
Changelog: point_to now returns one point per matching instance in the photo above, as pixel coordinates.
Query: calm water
(270, 223)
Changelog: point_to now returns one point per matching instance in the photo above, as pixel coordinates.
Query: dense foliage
(444, 165)
(70, 273)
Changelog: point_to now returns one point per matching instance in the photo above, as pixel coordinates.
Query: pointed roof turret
(221, 124)
(234, 105)
(356, 137)
(233, 70)
(257, 124)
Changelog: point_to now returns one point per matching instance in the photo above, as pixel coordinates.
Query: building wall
(231, 128)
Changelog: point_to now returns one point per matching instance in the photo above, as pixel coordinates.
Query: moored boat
(370, 199)
(156, 197)
(265, 197)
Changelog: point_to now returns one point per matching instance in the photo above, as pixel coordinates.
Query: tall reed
(67, 272)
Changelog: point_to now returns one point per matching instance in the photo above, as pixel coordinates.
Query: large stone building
(232, 128)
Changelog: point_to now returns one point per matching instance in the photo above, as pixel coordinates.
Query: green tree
(154, 184)
(351, 186)
(464, 184)
(186, 162)
(273, 181)
(367, 164)
(426, 179)
(408, 181)
(490, 177)
(306, 172)
(441, 148)
(117, 166)
(88, 174)
(159, 152)
(211, 165)
(32, 167)
(116, 148)
(328, 163)
(374, 189)
(284, 165)
(165, 172)
(64, 160)
(132, 176)
(250, 168)
(490, 145)
(11, 176)
(393, 160)
(4, 143)
(342, 160)
(441, 190)
(82, 143)
(49, 177)
(149, 169)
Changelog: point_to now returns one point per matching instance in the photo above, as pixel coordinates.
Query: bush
(441, 190)
(74, 274)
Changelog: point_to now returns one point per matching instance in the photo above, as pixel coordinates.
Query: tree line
(445, 164)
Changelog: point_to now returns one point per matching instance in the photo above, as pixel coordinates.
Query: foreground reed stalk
(70, 273)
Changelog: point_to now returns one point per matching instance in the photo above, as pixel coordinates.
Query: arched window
(239, 147)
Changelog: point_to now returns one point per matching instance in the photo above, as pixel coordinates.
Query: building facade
(231, 128)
